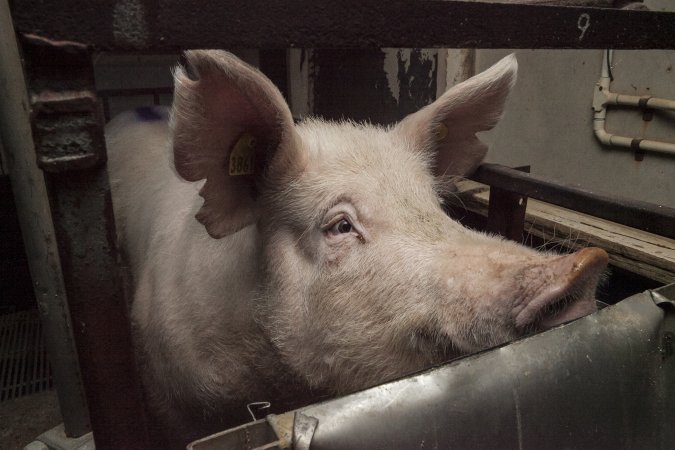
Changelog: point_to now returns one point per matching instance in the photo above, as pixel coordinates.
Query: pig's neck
(254, 371)
(280, 386)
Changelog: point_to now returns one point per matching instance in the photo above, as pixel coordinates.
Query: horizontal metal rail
(175, 24)
(155, 92)
(645, 216)
(106, 94)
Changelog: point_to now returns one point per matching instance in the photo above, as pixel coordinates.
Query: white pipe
(603, 97)
(643, 102)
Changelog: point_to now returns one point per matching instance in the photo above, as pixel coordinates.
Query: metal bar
(36, 356)
(32, 203)
(6, 374)
(67, 120)
(645, 216)
(105, 93)
(86, 235)
(38, 366)
(175, 24)
(44, 369)
(506, 212)
(20, 366)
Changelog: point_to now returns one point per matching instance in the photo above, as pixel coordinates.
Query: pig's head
(363, 276)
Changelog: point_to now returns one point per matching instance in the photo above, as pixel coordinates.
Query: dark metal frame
(60, 38)
(353, 24)
(645, 216)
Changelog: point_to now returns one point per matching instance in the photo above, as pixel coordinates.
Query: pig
(282, 262)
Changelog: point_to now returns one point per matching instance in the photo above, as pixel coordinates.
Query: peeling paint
(302, 73)
(390, 66)
(381, 86)
(405, 68)
(460, 65)
(416, 79)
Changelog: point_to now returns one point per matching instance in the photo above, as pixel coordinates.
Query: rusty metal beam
(175, 24)
(68, 134)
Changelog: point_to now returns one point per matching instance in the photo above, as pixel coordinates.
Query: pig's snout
(571, 295)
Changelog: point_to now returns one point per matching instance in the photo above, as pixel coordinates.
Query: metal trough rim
(609, 386)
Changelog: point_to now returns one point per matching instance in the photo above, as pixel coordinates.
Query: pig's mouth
(435, 345)
(570, 296)
(568, 308)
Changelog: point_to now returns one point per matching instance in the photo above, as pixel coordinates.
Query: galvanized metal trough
(604, 381)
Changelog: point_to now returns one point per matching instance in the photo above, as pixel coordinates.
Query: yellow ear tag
(242, 157)
(440, 132)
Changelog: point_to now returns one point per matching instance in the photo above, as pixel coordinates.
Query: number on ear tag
(242, 157)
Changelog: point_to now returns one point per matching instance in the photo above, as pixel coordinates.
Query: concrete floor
(23, 419)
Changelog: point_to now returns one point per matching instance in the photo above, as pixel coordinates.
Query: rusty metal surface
(175, 24)
(85, 230)
(68, 128)
(66, 116)
(67, 131)
(645, 216)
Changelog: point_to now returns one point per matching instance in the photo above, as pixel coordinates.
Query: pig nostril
(569, 295)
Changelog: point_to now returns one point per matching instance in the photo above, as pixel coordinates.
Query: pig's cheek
(336, 249)
(474, 310)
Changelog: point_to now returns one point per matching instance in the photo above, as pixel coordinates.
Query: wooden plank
(637, 251)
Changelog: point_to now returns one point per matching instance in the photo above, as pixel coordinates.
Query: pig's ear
(448, 126)
(229, 123)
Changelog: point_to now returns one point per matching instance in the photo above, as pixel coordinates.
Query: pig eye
(342, 227)
(341, 224)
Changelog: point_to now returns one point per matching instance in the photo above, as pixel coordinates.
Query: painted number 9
(583, 23)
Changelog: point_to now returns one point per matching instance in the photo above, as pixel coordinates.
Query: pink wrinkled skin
(329, 269)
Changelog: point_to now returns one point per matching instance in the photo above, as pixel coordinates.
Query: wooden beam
(637, 251)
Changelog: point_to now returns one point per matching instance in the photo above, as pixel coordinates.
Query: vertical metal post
(506, 212)
(38, 233)
(69, 144)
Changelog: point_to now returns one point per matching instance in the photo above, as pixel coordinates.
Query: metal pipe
(642, 102)
(34, 214)
(603, 97)
(650, 217)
